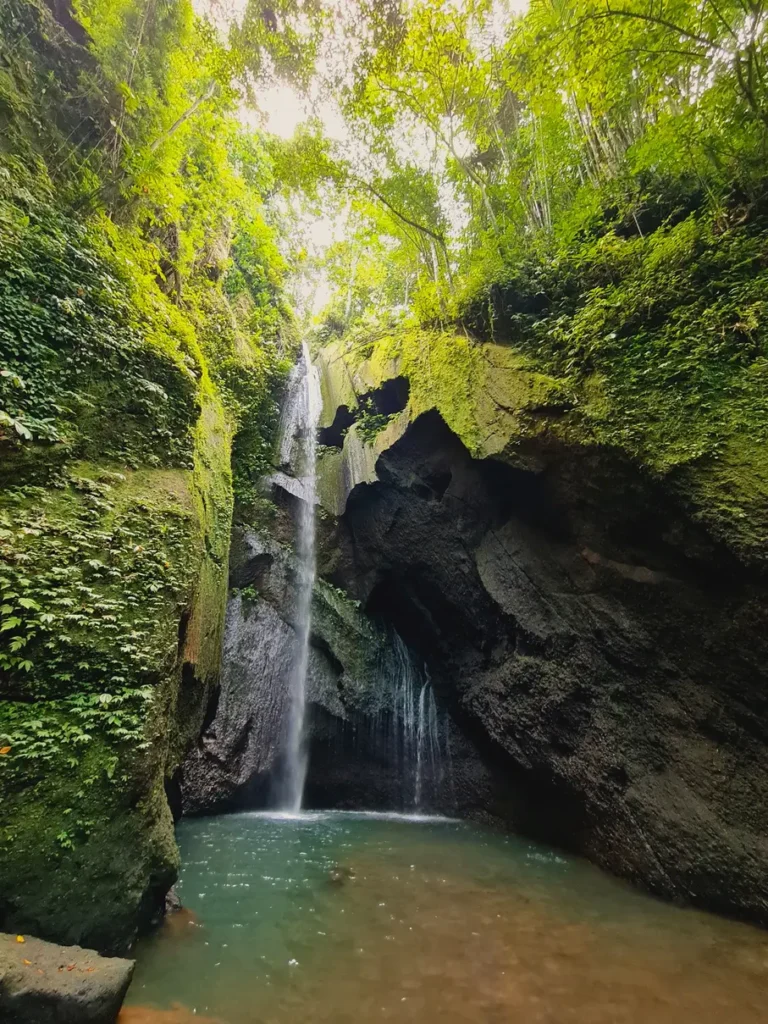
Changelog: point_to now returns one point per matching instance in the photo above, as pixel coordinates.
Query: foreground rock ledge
(42, 983)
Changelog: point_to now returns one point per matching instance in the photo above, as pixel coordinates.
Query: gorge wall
(602, 650)
(362, 684)
(119, 405)
(596, 653)
(542, 531)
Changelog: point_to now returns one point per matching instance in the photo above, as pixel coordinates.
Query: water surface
(342, 918)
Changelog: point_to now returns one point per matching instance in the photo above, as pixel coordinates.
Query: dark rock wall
(354, 765)
(355, 739)
(231, 764)
(605, 656)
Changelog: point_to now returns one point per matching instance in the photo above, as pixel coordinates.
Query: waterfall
(415, 729)
(403, 731)
(427, 742)
(298, 430)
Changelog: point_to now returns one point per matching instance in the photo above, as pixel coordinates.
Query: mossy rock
(502, 404)
(117, 699)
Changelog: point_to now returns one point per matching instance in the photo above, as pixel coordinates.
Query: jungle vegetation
(584, 180)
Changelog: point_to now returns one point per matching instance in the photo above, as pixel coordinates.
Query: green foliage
(673, 323)
(369, 421)
(79, 333)
(94, 577)
(487, 141)
(335, 595)
(584, 183)
(249, 595)
(242, 341)
(142, 325)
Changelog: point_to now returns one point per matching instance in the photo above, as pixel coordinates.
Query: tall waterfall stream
(334, 917)
(297, 446)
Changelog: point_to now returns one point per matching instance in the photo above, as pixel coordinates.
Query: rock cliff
(585, 623)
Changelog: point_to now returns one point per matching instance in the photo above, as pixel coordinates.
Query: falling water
(427, 742)
(404, 737)
(404, 680)
(404, 732)
(415, 728)
(297, 450)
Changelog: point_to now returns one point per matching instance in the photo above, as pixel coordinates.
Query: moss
(478, 389)
(330, 481)
(356, 644)
(105, 845)
(119, 407)
(336, 386)
(728, 493)
(113, 561)
(655, 347)
(708, 447)
(200, 644)
(443, 371)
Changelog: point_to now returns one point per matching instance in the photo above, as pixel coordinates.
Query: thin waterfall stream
(416, 726)
(427, 741)
(298, 450)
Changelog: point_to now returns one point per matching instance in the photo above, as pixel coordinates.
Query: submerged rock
(42, 983)
(173, 902)
(340, 874)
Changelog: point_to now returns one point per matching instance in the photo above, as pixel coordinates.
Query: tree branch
(652, 19)
(184, 117)
(400, 216)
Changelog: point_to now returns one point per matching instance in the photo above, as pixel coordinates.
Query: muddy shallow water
(341, 918)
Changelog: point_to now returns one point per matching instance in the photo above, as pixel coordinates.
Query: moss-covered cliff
(585, 578)
(115, 537)
(120, 404)
(653, 347)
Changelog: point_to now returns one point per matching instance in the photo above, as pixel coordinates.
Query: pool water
(343, 917)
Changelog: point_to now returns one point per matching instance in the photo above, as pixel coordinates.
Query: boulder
(42, 983)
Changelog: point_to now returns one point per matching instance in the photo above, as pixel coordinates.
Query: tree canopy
(480, 135)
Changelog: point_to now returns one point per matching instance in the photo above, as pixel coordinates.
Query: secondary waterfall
(416, 728)
(428, 751)
(297, 448)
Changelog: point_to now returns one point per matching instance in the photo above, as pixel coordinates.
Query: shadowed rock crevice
(384, 401)
(390, 397)
(333, 436)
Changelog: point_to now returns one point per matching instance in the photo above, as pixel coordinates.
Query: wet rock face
(236, 754)
(360, 681)
(350, 684)
(42, 983)
(353, 766)
(609, 661)
(238, 748)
